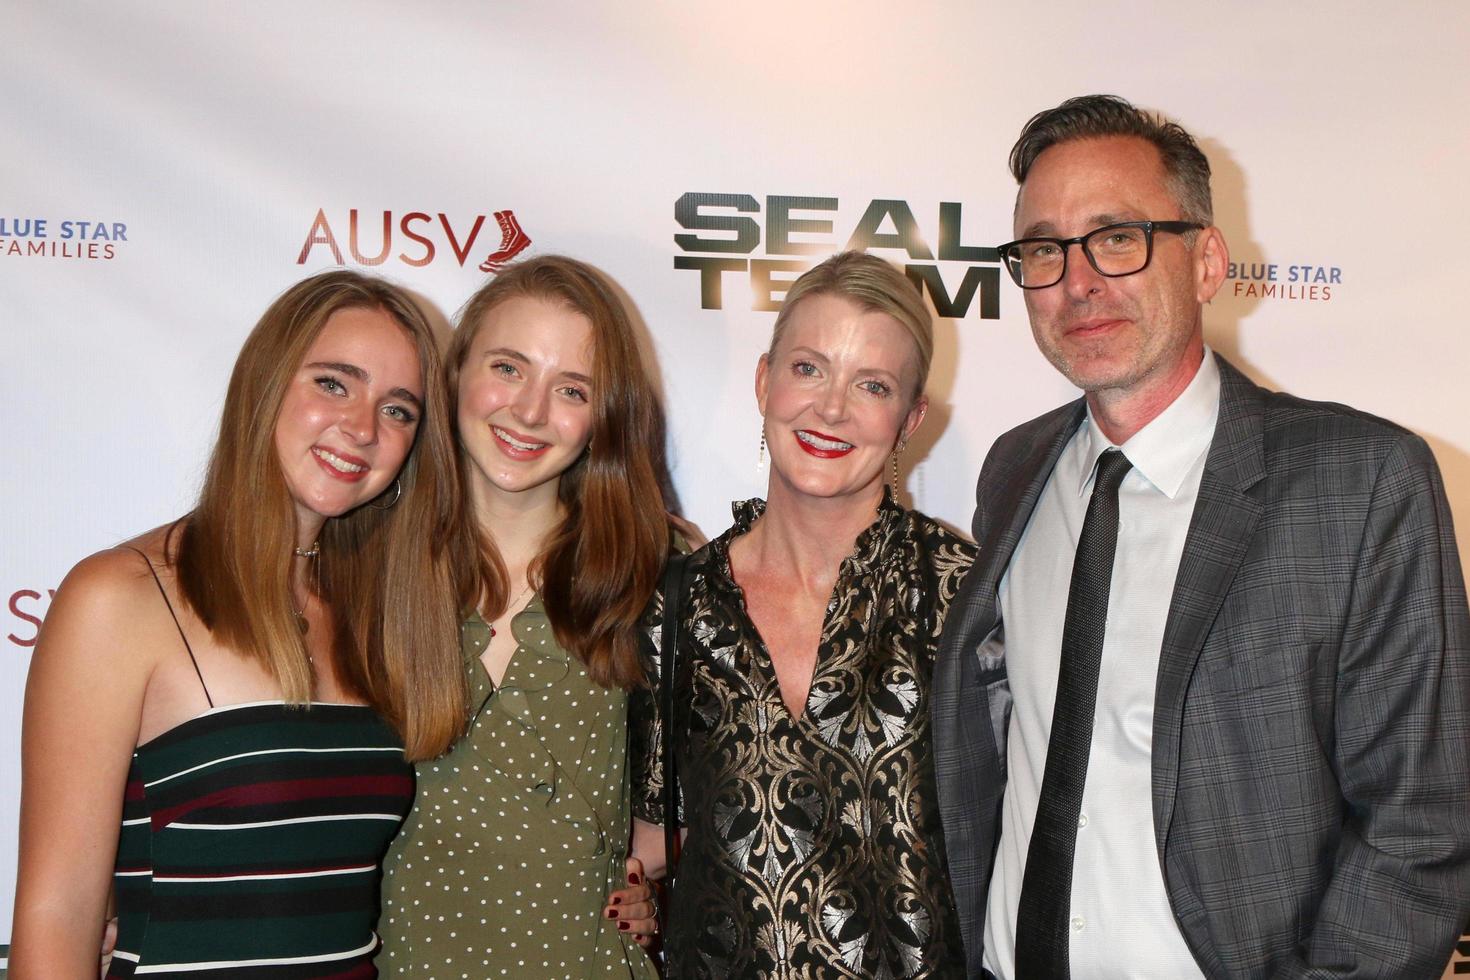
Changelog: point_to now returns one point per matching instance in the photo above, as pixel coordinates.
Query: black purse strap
(673, 589)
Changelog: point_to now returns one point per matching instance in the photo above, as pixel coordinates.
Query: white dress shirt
(1121, 923)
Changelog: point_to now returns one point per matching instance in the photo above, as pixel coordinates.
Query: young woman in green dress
(519, 834)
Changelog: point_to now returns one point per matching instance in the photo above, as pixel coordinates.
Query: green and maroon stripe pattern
(251, 844)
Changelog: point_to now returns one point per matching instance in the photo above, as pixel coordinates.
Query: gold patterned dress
(518, 833)
(814, 846)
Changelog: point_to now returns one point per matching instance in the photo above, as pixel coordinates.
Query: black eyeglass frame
(1149, 227)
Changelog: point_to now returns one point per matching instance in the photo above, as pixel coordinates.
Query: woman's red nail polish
(623, 926)
(633, 878)
(611, 913)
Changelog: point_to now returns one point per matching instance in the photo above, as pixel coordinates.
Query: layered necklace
(310, 555)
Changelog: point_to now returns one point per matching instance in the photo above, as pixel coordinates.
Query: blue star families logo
(1273, 280)
(92, 239)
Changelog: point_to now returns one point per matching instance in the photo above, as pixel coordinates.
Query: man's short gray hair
(1097, 116)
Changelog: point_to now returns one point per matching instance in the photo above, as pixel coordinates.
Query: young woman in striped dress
(236, 690)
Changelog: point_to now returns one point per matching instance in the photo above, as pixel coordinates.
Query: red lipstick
(821, 445)
(340, 465)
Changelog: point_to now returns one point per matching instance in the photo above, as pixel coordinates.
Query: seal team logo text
(421, 238)
(723, 233)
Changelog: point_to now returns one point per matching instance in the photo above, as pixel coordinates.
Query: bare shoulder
(103, 593)
(104, 581)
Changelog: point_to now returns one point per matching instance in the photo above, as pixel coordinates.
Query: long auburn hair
(397, 651)
(599, 568)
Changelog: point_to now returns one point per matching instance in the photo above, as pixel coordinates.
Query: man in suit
(1275, 778)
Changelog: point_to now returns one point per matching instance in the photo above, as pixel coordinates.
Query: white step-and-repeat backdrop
(168, 168)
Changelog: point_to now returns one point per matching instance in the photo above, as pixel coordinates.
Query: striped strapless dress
(251, 843)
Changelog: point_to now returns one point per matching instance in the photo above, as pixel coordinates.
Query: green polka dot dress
(518, 834)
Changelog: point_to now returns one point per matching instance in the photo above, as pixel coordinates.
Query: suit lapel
(971, 700)
(1009, 504)
(1220, 531)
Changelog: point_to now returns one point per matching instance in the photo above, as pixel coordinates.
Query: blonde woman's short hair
(875, 286)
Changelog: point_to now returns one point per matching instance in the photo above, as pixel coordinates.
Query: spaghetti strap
(147, 561)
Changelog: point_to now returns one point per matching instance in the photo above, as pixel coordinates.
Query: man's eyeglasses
(1113, 250)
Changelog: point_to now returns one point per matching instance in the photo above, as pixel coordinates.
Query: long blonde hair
(398, 652)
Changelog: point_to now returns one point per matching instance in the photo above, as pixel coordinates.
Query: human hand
(636, 907)
(109, 943)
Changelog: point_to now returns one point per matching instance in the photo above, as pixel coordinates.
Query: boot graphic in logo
(513, 241)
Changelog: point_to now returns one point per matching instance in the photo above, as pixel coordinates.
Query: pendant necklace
(309, 554)
(524, 589)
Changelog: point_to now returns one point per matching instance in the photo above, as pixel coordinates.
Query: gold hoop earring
(397, 493)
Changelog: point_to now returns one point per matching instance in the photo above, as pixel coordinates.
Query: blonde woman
(807, 635)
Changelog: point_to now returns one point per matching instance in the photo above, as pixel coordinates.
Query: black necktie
(1042, 943)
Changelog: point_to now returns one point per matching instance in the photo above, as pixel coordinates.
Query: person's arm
(633, 907)
(648, 848)
(646, 747)
(1400, 891)
(646, 857)
(84, 699)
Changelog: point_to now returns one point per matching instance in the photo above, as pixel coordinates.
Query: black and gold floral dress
(814, 846)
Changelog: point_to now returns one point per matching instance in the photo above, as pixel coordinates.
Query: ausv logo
(422, 238)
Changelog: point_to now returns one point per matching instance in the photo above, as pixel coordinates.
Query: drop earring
(379, 503)
(760, 456)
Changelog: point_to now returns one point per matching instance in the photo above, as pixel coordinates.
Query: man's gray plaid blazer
(1311, 739)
